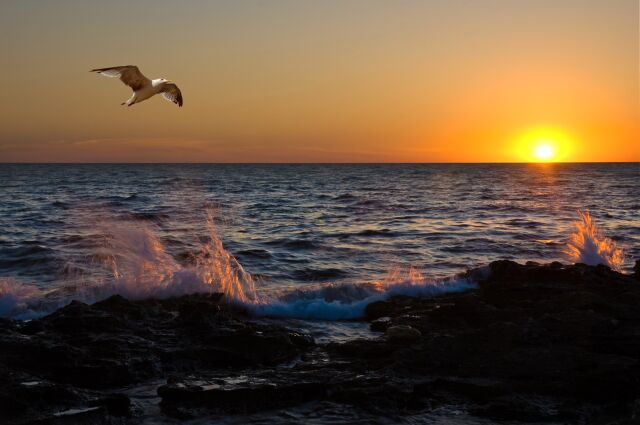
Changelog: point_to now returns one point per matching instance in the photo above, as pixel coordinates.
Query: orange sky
(334, 81)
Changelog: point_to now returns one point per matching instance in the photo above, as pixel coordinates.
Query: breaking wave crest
(133, 262)
(589, 246)
(20, 301)
(348, 301)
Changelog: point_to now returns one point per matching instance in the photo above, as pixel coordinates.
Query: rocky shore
(532, 344)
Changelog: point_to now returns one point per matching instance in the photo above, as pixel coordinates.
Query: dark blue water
(296, 225)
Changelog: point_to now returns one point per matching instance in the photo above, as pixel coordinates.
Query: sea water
(306, 241)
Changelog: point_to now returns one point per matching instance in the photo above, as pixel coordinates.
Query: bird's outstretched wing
(128, 74)
(172, 93)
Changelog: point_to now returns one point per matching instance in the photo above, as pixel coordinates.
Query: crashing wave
(589, 246)
(133, 262)
(18, 300)
(348, 301)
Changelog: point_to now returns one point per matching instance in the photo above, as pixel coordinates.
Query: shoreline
(532, 342)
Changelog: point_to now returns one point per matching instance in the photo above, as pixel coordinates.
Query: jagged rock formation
(533, 343)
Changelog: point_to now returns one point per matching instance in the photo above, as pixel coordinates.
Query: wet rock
(76, 416)
(240, 394)
(81, 349)
(477, 390)
(118, 405)
(544, 343)
(394, 307)
(521, 409)
(402, 333)
(380, 325)
(379, 309)
(29, 397)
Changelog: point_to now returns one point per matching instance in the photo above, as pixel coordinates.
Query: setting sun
(544, 150)
(544, 144)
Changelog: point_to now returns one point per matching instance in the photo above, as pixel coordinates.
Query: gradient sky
(329, 81)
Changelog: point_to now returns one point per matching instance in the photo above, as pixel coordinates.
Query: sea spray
(215, 266)
(140, 267)
(589, 246)
(133, 262)
(18, 300)
(135, 259)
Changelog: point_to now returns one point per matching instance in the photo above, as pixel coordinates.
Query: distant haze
(330, 81)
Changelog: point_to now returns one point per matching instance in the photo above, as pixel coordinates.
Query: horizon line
(315, 163)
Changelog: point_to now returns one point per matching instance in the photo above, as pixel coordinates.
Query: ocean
(298, 240)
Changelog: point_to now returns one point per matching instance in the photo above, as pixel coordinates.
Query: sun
(544, 150)
(543, 144)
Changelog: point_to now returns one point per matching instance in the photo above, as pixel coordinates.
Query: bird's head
(165, 81)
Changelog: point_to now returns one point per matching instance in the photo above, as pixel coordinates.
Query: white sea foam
(133, 262)
(327, 304)
(332, 302)
(18, 300)
(349, 300)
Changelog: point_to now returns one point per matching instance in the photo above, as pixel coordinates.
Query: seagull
(143, 88)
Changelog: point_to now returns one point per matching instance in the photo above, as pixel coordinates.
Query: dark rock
(83, 348)
(75, 416)
(402, 333)
(520, 408)
(533, 343)
(477, 390)
(28, 397)
(380, 325)
(115, 404)
(378, 309)
(240, 395)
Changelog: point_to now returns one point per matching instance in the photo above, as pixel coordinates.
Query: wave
(132, 261)
(28, 254)
(377, 232)
(310, 274)
(255, 253)
(295, 243)
(589, 246)
(150, 216)
(20, 301)
(348, 301)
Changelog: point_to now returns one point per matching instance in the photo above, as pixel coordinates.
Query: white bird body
(143, 88)
(146, 92)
